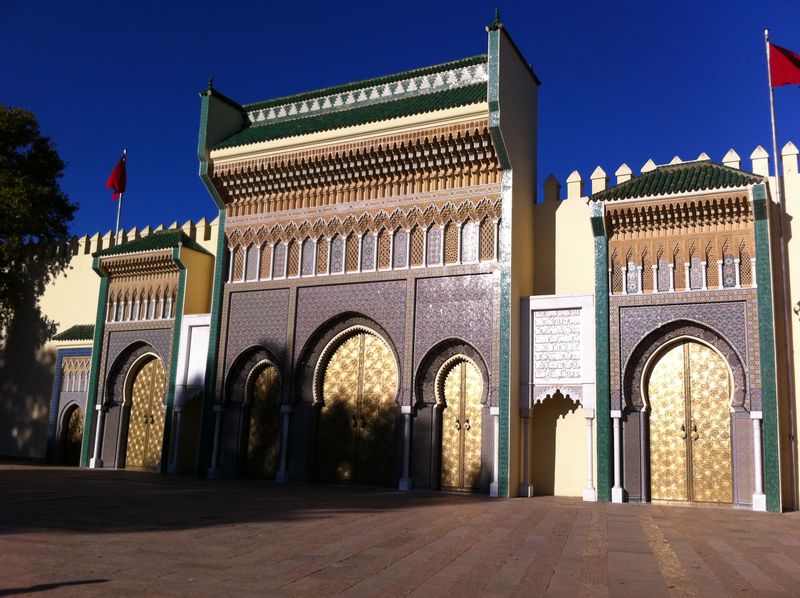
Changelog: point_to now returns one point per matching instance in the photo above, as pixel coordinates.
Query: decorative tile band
(384, 92)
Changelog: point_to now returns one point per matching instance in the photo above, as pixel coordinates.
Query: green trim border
(602, 354)
(173, 366)
(766, 340)
(94, 374)
(504, 261)
(207, 419)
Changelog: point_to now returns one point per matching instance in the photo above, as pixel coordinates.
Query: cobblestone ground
(81, 532)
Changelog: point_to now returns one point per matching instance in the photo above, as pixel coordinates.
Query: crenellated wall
(68, 300)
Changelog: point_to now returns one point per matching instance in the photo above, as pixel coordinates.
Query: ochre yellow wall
(199, 279)
(574, 248)
(558, 448)
(518, 98)
(789, 422)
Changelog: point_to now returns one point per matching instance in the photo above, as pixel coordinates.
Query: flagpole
(787, 315)
(119, 205)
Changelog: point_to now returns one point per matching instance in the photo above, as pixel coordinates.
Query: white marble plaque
(557, 350)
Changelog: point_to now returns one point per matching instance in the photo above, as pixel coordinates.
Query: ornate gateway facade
(382, 301)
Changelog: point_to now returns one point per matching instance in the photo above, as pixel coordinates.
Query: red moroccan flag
(784, 66)
(117, 179)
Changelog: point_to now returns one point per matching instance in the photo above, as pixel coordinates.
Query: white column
(525, 488)
(654, 268)
(96, 461)
(494, 488)
(496, 240)
(753, 271)
(705, 275)
(408, 248)
(759, 498)
(424, 246)
(391, 250)
(617, 492)
(672, 277)
(441, 245)
(283, 474)
(405, 481)
(624, 280)
(285, 272)
(721, 281)
(314, 259)
(458, 243)
(213, 471)
(258, 263)
(176, 441)
(736, 266)
(589, 493)
(360, 238)
(610, 282)
(230, 264)
(639, 279)
(687, 278)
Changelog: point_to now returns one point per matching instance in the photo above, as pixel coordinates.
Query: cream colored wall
(199, 279)
(558, 449)
(518, 98)
(71, 298)
(574, 248)
(789, 422)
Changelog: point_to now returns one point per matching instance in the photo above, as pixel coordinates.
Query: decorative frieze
(374, 94)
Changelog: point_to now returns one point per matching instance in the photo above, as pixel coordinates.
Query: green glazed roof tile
(421, 72)
(79, 332)
(160, 240)
(419, 104)
(679, 178)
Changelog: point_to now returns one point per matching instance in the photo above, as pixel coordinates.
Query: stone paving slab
(87, 533)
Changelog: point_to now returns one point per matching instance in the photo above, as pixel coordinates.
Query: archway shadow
(545, 418)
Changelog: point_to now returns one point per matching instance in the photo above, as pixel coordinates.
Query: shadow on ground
(34, 498)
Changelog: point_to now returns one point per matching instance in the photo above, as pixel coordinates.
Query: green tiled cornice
(387, 79)
(159, 240)
(766, 339)
(679, 178)
(79, 332)
(94, 372)
(602, 355)
(418, 104)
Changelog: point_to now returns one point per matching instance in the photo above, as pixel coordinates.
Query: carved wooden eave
(139, 266)
(422, 216)
(380, 167)
(680, 214)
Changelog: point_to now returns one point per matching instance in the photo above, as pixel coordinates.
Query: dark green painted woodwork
(418, 104)
(679, 178)
(602, 356)
(766, 338)
(94, 375)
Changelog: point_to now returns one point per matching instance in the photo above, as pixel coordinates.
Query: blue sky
(621, 81)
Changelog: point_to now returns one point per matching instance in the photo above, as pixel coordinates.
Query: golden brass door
(146, 421)
(690, 433)
(262, 438)
(461, 427)
(72, 434)
(356, 437)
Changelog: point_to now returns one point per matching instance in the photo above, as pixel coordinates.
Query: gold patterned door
(461, 427)
(146, 421)
(690, 433)
(262, 438)
(72, 434)
(356, 428)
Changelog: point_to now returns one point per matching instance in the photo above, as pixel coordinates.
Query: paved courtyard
(79, 532)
